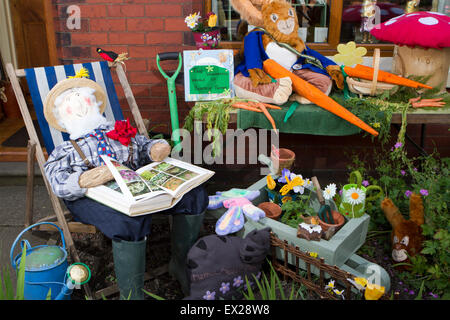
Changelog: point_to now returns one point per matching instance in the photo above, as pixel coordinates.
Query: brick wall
(145, 27)
(142, 28)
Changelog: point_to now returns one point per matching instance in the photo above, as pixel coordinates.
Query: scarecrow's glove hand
(335, 73)
(160, 151)
(95, 177)
(258, 76)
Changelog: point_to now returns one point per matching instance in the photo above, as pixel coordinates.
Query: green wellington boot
(185, 229)
(129, 266)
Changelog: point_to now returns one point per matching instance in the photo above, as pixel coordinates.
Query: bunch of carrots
(257, 106)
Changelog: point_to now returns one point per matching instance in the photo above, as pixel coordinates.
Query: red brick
(107, 24)
(137, 77)
(60, 25)
(89, 38)
(175, 24)
(163, 10)
(141, 91)
(164, 37)
(126, 38)
(93, 11)
(76, 52)
(104, 1)
(145, 24)
(135, 64)
(127, 10)
(143, 52)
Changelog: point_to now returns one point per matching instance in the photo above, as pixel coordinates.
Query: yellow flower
(270, 182)
(373, 292)
(313, 254)
(82, 73)
(375, 124)
(212, 21)
(286, 199)
(361, 281)
(350, 55)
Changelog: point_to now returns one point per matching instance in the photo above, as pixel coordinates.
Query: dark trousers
(118, 226)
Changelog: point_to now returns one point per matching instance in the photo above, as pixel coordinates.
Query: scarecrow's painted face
(76, 104)
(77, 110)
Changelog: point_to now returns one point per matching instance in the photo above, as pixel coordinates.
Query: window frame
(334, 32)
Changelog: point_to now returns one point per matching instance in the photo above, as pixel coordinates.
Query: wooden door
(34, 35)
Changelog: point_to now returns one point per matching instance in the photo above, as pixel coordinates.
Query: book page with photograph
(172, 176)
(128, 182)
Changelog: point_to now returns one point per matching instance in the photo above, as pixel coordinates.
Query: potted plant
(205, 31)
(287, 187)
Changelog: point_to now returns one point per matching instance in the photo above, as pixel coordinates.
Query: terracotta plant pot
(272, 210)
(285, 161)
(337, 217)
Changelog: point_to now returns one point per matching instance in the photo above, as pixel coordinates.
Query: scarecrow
(76, 106)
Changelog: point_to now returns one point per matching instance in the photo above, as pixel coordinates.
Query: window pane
(359, 16)
(313, 16)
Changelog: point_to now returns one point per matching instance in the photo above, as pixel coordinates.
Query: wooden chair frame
(35, 152)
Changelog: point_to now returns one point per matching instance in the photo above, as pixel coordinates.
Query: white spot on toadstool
(349, 10)
(387, 23)
(412, 14)
(438, 13)
(429, 21)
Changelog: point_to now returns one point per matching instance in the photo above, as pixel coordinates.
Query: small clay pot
(285, 161)
(337, 217)
(272, 210)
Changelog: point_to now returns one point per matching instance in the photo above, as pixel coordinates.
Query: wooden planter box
(339, 250)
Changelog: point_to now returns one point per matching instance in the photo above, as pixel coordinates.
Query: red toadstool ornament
(422, 45)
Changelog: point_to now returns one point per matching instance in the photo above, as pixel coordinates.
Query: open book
(152, 188)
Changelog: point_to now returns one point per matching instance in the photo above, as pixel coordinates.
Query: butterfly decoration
(238, 202)
(290, 184)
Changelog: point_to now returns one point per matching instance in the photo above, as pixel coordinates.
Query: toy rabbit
(276, 37)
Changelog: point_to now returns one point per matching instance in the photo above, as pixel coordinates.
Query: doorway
(32, 44)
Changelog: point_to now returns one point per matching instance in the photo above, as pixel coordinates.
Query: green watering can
(354, 196)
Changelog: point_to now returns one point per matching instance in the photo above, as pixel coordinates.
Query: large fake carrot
(314, 95)
(365, 72)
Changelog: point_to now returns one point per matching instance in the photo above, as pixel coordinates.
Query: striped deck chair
(40, 81)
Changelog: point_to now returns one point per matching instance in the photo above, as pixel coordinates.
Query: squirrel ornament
(406, 234)
(276, 37)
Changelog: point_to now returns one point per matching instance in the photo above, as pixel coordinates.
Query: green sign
(209, 80)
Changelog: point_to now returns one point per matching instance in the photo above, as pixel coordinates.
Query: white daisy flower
(330, 191)
(355, 196)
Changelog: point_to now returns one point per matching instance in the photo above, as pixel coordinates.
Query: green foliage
(294, 209)
(6, 286)
(217, 117)
(429, 175)
(271, 288)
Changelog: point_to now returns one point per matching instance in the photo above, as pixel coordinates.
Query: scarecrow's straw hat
(66, 84)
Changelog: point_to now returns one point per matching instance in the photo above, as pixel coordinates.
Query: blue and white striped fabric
(42, 80)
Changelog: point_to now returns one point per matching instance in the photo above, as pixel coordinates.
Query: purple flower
(340, 192)
(411, 292)
(398, 145)
(237, 282)
(434, 295)
(365, 183)
(408, 193)
(424, 192)
(415, 169)
(284, 173)
(210, 295)
(400, 282)
(225, 287)
(403, 172)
